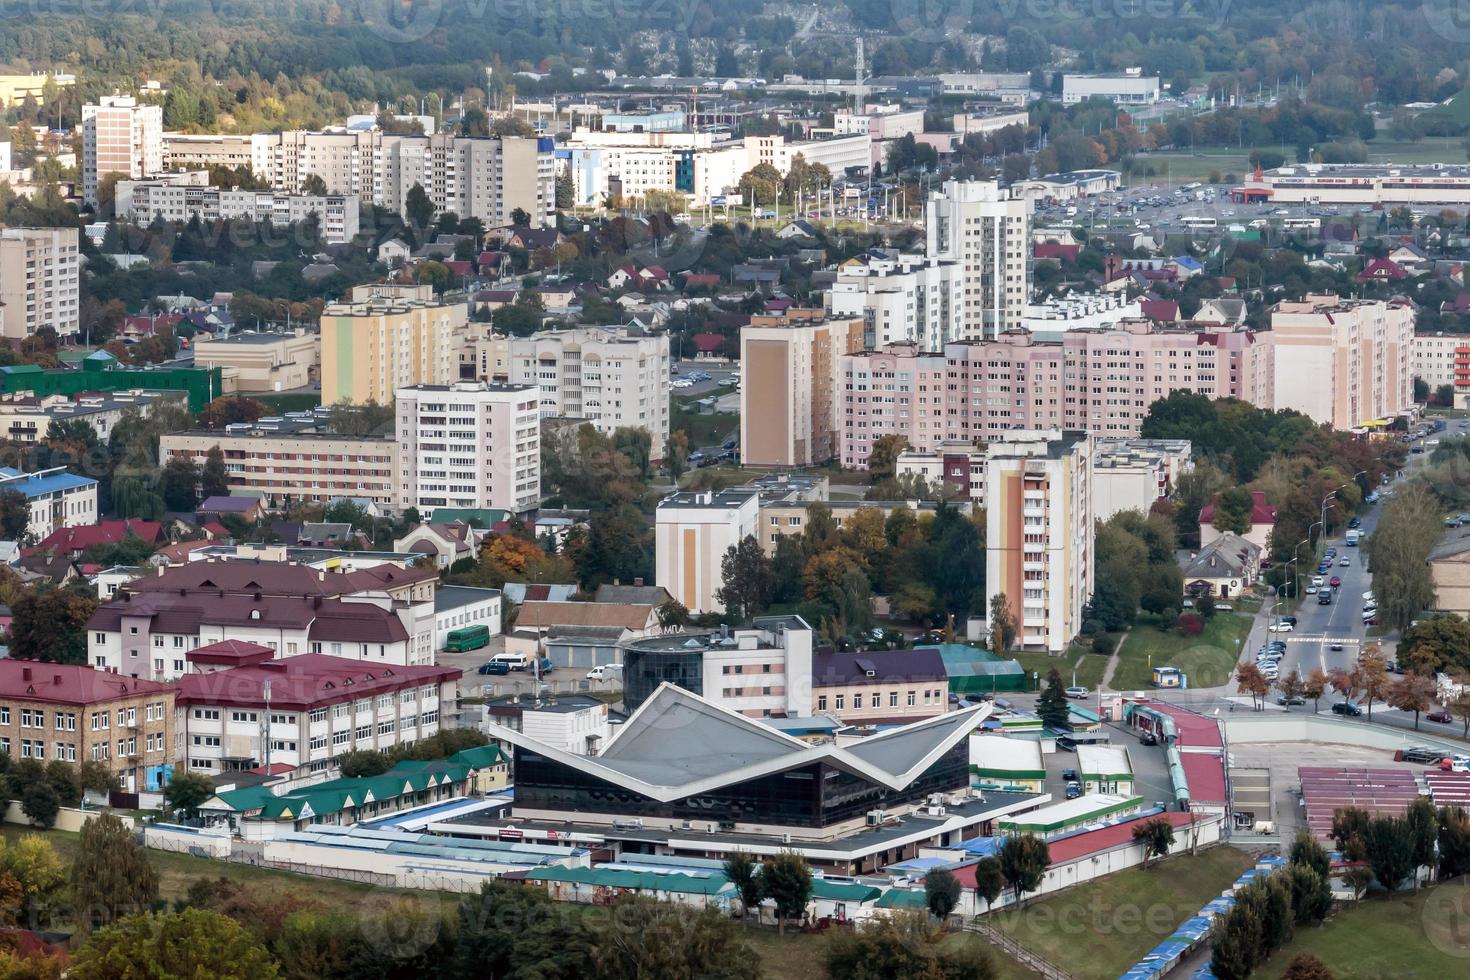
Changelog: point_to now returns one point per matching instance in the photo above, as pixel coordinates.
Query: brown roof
(546, 614)
(28, 680)
(324, 618)
(307, 681)
(278, 578)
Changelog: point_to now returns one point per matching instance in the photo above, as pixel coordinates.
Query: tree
(1454, 841)
(743, 872)
(1291, 684)
(190, 943)
(1002, 623)
(1412, 692)
(906, 945)
(989, 880)
(1307, 966)
(941, 893)
(1389, 846)
(883, 459)
(673, 614)
(1052, 705)
(1315, 686)
(1423, 826)
(1233, 510)
(186, 791)
(32, 877)
(1437, 643)
(1250, 680)
(1311, 895)
(418, 210)
(50, 623)
(40, 805)
(1023, 862)
(676, 454)
(1372, 674)
(1307, 850)
(111, 876)
(787, 881)
(1156, 836)
(520, 218)
(748, 581)
(314, 186)
(647, 938)
(1399, 549)
(180, 484)
(1460, 708)
(15, 515)
(214, 481)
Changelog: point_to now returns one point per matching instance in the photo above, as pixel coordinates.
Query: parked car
(1290, 700)
(1442, 716)
(1147, 738)
(606, 672)
(494, 667)
(1282, 627)
(1070, 775)
(1346, 708)
(1074, 790)
(1077, 692)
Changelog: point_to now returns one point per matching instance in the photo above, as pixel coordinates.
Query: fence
(1037, 964)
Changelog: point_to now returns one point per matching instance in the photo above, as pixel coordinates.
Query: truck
(1352, 537)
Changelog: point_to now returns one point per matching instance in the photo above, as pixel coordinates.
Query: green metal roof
(320, 799)
(480, 757)
(473, 516)
(650, 881)
(843, 891)
(902, 898)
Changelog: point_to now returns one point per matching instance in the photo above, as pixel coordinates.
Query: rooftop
(722, 499)
(26, 680)
(448, 597)
(306, 681)
(831, 668)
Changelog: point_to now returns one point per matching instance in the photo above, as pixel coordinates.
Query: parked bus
(1301, 224)
(1192, 221)
(467, 638)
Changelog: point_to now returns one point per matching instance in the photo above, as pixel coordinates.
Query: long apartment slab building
(790, 392)
(295, 458)
(1099, 381)
(614, 377)
(481, 177)
(385, 337)
(184, 196)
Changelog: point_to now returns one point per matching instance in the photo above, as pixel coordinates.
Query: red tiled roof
(1205, 773)
(1381, 269)
(274, 769)
(706, 342)
(106, 532)
(326, 619)
(1056, 250)
(230, 651)
(1261, 512)
(277, 578)
(35, 680)
(308, 681)
(1096, 841)
(1195, 731)
(1160, 309)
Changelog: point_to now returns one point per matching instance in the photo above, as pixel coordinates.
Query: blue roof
(1186, 262)
(982, 846)
(34, 485)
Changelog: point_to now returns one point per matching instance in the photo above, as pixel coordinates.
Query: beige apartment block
(285, 462)
(120, 136)
(790, 386)
(387, 337)
(74, 714)
(40, 281)
(263, 361)
(1345, 362)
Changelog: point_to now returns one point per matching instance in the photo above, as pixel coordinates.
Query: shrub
(1102, 644)
(1190, 624)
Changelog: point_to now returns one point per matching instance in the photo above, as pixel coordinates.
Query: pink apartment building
(1102, 381)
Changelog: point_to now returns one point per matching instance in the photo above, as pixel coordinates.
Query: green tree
(644, 938)
(38, 877)
(941, 892)
(111, 876)
(1002, 623)
(1398, 551)
(363, 762)
(747, 579)
(1156, 836)
(1389, 846)
(418, 210)
(180, 484)
(676, 454)
(883, 460)
(1311, 895)
(1423, 826)
(1023, 863)
(191, 943)
(906, 945)
(40, 804)
(186, 791)
(1436, 643)
(787, 881)
(1233, 510)
(314, 186)
(15, 515)
(50, 623)
(1454, 841)
(214, 481)
(989, 880)
(1307, 850)
(1052, 706)
(743, 872)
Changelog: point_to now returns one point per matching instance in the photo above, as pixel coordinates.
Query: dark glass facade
(815, 795)
(645, 670)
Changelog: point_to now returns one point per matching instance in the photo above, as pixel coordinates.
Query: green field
(1089, 666)
(1179, 167)
(703, 430)
(1209, 659)
(1413, 935)
(1100, 929)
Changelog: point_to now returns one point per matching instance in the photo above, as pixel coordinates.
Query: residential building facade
(186, 196)
(908, 300)
(120, 136)
(56, 498)
(385, 337)
(988, 233)
(692, 532)
(1433, 356)
(615, 377)
(74, 714)
(469, 444)
(1344, 362)
(1038, 523)
(40, 281)
(790, 386)
(266, 361)
(760, 671)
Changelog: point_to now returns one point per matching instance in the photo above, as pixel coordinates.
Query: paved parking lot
(1282, 762)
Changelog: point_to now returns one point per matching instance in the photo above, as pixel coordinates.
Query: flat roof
(254, 337)
(1103, 760)
(1068, 813)
(1000, 753)
(448, 597)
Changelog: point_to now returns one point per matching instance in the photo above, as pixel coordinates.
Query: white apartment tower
(1038, 524)
(40, 279)
(904, 300)
(120, 136)
(615, 377)
(988, 233)
(469, 445)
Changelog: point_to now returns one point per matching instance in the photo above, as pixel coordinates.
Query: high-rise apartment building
(40, 281)
(481, 177)
(469, 444)
(692, 531)
(385, 337)
(184, 196)
(988, 233)
(1346, 362)
(1432, 358)
(908, 299)
(1100, 381)
(122, 137)
(1038, 526)
(790, 390)
(615, 377)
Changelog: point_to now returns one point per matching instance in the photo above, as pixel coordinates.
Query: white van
(515, 661)
(606, 672)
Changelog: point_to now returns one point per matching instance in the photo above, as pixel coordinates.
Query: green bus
(467, 638)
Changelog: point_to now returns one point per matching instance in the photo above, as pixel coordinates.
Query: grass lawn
(1089, 666)
(300, 401)
(1100, 929)
(703, 430)
(1209, 659)
(798, 957)
(1410, 935)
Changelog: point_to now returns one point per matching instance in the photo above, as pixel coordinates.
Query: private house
(1225, 568)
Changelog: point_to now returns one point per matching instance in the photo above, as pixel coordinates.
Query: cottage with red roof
(71, 713)
(1382, 270)
(1056, 252)
(72, 541)
(320, 706)
(1262, 522)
